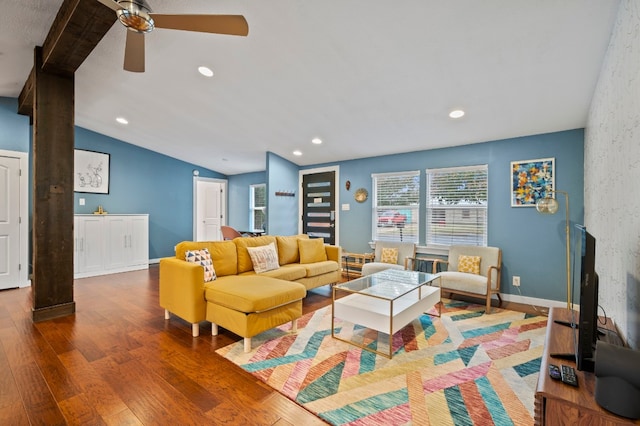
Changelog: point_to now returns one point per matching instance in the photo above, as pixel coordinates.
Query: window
(396, 199)
(258, 206)
(457, 206)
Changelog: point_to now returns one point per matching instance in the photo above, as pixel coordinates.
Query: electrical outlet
(516, 281)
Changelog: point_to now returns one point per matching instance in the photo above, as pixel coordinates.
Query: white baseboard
(154, 261)
(525, 300)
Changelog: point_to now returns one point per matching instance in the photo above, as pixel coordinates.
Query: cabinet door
(139, 240)
(117, 242)
(89, 252)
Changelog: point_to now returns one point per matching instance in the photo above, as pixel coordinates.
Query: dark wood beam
(76, 31)
(53, 144)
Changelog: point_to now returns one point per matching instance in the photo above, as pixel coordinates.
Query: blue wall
(238, 201)
(15, 132)
(141, 181)
(533, 244)
(282, 212)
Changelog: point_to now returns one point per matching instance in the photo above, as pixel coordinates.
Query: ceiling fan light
(135, 15)
(547, 205)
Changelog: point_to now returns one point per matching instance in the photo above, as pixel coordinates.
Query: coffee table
(385, 301)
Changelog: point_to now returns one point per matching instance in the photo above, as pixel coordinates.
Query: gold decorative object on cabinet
(100, 211)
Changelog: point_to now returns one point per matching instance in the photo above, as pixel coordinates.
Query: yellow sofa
(239, 299)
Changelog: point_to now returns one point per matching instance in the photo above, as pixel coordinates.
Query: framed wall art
(531, 180)
(91, 171)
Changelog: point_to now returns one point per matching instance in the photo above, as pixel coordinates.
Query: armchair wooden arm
(489, 279)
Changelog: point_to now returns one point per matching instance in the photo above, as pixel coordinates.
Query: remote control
(554, 372)
(569, 375)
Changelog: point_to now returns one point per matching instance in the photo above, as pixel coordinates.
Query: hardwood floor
(118, 362)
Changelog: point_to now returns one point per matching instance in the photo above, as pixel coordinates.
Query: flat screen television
(585, 280)
(585, 256)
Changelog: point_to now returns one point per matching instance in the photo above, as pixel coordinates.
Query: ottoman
(250, 304)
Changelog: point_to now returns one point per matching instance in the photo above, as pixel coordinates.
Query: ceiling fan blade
(134, 52)
(217, 24)
(111, 4)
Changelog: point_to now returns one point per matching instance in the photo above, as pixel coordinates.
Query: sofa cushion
(312, 250)
(469, 264)
(264, 258)
(244, 260)
(253, 293)
(463, 281)
(202, 258)
(290, 272)
(389, 255)
(288, 248)
(223, 254)
(319, 268)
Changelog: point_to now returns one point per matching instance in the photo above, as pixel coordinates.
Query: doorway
(14, 266)
(319, 200)
(210, 208)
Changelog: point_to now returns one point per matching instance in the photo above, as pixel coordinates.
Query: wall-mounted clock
(361, 195)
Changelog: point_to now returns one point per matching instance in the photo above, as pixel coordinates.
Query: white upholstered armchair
(472, 271)
(390, 255)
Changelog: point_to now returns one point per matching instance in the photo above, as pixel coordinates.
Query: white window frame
(411, 212)
(253, 208)
(454, 214)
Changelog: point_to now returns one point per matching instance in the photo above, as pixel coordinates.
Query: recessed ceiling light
(122, 120)
(296, 152)
(456, 113)
(316, 141)
(205, 71)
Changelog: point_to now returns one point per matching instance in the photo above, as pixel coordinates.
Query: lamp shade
(547, 205)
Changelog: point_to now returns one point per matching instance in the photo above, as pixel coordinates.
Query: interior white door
(209, 209)
(9, 222)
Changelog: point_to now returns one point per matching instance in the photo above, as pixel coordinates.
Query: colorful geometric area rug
(464, 368)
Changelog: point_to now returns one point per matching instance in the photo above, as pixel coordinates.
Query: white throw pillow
(264, 258)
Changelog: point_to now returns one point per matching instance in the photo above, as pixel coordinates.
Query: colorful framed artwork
(532, 180)
(91, 172)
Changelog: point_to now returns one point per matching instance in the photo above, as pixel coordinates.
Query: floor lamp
(549, 205)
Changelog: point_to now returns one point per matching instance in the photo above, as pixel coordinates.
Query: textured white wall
(612, 174)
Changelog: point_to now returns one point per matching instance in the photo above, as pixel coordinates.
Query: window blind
(457, 206)
(396, 202)
(258, 206)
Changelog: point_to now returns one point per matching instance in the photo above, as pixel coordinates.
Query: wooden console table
(557, 403)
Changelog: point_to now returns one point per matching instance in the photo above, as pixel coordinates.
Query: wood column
(53, 143)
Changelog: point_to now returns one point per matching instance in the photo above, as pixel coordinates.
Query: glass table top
(390, 284)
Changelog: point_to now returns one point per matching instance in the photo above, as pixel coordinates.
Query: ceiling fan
(137, 16)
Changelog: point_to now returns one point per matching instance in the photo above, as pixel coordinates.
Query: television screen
(586, 279)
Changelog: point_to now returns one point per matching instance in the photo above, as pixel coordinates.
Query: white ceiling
(369, 77)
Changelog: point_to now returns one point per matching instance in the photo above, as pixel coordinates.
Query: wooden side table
(559, 404)
(352, 263)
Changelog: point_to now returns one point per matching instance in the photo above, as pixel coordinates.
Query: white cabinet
(88, 245)
(106, 244)
(127, 241)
